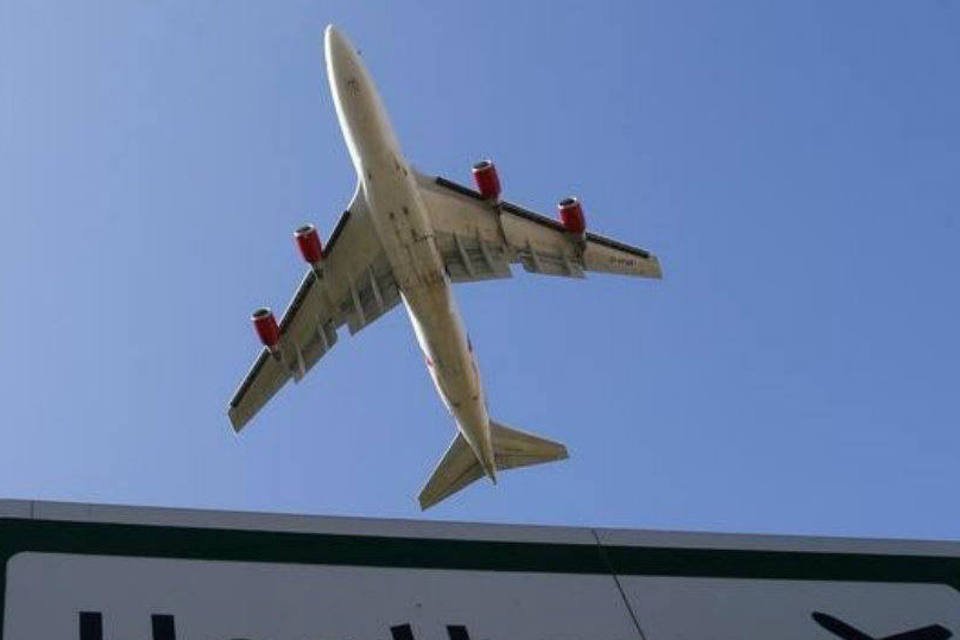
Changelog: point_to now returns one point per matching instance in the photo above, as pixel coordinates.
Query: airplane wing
(932, 632)
(356, 288)
(478, 239)
(838, 627)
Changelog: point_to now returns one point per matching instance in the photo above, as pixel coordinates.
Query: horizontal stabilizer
(513, 448)
(458, 468)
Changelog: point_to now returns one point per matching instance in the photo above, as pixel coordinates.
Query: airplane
(843, 630)
(405, 237)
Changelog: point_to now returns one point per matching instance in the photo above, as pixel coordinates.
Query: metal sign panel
(116, 573)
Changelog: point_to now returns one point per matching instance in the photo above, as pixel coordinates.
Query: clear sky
(795, 165)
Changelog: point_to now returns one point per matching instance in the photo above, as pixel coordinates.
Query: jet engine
(309, 242)
(487, 181)
(571, 216)
(266, 327)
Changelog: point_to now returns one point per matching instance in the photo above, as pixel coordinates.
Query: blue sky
(794, 165)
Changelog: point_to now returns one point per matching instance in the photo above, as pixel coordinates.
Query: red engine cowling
(267, 329)
(309, 242)
(486, 178)
(571, 216)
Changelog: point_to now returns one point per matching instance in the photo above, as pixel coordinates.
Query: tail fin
(511, 449)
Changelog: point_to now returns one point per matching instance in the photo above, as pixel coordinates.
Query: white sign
(54, 596)
(46, 594)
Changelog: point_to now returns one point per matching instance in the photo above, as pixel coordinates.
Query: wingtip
(236, 421)
(657, 268)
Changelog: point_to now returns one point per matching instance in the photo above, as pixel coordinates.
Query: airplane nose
(329, 34)
(337, 46)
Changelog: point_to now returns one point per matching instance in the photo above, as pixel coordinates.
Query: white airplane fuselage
(399, 216)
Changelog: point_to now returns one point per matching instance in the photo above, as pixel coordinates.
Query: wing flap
(471, 258)
(371, 293)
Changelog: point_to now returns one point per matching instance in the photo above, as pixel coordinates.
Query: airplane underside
(407, 237)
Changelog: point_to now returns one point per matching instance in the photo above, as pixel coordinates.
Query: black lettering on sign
(163, 627)
(457, 632)
(91, 626)
(402, 632)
